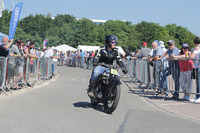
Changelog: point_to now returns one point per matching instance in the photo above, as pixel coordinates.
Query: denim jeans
(53, 68)
(97, 71)
(82, 62)
(173, 70)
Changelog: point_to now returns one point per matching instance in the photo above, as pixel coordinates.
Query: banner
(14, 20)
(45, 43)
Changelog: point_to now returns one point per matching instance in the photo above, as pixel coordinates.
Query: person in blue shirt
(4, 47)
(82, 55)
(157, 53)
(173, 68)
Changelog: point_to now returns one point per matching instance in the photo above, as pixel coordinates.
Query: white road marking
(173, 104)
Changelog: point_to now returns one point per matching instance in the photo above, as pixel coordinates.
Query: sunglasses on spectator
(185, 48)
(169, 44)
(113, 42)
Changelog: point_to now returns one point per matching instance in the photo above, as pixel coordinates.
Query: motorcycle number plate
(113, 71)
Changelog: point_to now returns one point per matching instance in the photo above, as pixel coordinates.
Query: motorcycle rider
(105, 55)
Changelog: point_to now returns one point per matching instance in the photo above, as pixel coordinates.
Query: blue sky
(180, 12)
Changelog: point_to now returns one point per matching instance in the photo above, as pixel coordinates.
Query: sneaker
(184, 97)
(187, 98)
(197, 101)
(193, 100)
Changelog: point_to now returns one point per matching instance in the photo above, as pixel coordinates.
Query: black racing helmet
(109, 39)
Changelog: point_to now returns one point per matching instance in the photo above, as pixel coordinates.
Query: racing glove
(124, 71)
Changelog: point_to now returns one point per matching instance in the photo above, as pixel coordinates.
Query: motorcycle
(107, 90)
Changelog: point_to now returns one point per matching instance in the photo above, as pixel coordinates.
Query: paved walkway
(179, 107)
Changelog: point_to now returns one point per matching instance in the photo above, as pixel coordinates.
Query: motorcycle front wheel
(94, 102)
(111, 102)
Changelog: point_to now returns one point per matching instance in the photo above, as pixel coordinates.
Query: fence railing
(16, 71)
(170, 75)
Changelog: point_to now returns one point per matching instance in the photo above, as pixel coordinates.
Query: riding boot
(91, 88)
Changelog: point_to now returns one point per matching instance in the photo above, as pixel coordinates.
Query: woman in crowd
(196, 56)
(186, 67)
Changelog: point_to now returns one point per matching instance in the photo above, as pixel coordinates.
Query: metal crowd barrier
(166, 75)
(2, 73)
(14, 72)
(79, 62)
(17, 71)
(32, 70)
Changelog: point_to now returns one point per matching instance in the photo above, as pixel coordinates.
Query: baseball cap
(170, 41)
(18, 41)
(144, 44)
(32, 42)
(185, 45)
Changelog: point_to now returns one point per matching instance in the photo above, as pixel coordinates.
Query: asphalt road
(64, 107)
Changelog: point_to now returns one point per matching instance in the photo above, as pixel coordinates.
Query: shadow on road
(88, 105)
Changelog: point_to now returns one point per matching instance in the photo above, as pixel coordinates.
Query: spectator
(55, 60)
(62, 56)
(173, 68)
(4, 47)
(78, 58)
(144, 53)
(87, 54)
(14, 50)
(162, 45)
(82, 55)
(158, 51)
(196, 56)
(186, 67)
(43, 52)
(137, 52)
(73, 59)
(21, 49)
(38, 52)
(32, 56)
(49, 53)
(128, 54)
(14, 64)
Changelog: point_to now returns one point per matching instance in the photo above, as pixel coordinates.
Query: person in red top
(186, 67)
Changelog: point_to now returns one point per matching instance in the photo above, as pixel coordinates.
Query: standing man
(157, 53)
(144, 53)
(82, 55)
(4, 47)
(173, 68)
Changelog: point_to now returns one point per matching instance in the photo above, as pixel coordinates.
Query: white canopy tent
(94, 48)
(64, 48)
(88, 48)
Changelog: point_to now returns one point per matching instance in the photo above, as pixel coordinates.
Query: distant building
(2, 5)
(1, 8)
(98, 21)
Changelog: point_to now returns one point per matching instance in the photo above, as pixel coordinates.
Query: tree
(5, 22)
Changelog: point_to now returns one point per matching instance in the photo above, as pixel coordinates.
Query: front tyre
(111, 102)
(94, 102)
